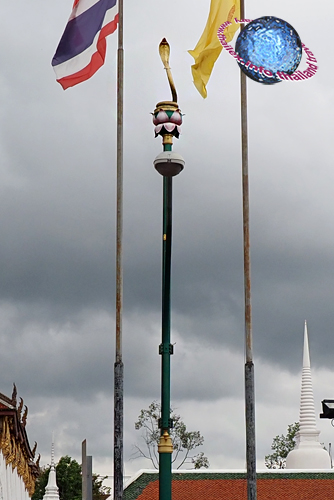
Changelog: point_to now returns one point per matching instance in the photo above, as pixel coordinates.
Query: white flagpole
(118, 366)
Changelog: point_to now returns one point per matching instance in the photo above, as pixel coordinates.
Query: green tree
(69, 481)
(281, 446)
(100, 492)
(184, 441)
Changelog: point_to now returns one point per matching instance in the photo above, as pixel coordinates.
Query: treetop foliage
(281, 446)
(184, 441)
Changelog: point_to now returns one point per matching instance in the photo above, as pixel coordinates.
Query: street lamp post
(167, 119)
(328, 412)
(327, 409)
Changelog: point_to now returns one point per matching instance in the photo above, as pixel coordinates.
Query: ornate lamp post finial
(167, 116)
(164, 51)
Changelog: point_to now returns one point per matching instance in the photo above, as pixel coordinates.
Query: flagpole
(118, 366)
(249, 364)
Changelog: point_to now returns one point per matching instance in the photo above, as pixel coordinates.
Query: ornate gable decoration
(14, 443)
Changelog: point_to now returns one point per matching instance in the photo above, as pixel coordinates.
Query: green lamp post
(167, 119)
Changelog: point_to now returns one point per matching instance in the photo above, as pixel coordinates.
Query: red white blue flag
(82, 48)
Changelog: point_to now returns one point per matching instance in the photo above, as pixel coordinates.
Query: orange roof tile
(281, 487)
(236, 489)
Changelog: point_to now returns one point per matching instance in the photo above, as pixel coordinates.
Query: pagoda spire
(308, 452)
(307, 419)
(53, 452)
(51, 490)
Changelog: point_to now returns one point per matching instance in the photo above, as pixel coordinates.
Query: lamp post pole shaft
(165, 458)
(166, 301)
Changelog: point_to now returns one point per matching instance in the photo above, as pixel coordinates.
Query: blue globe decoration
(271, 44)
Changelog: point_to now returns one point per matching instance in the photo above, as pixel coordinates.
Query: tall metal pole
(165, 348)
(249, 365)
(167, 164)
(118, 366)
(167, 118)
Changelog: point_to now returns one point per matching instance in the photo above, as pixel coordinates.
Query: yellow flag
(209, 47)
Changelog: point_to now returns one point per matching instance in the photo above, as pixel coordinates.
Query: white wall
(11, 484)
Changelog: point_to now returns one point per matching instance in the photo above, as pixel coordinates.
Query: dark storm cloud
(57, 218)
(68, 360)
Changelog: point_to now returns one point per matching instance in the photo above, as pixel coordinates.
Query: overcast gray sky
(57, 226)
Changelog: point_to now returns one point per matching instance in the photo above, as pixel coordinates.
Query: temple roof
(230, 485)
(14, 443)
(18, 415)
(6, 403)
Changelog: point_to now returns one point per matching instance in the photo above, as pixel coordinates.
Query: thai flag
(82, 48)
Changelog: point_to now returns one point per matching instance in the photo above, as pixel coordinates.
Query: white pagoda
(51, 490)
(308, 452)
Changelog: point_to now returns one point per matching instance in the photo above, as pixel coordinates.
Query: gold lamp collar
(165, 445)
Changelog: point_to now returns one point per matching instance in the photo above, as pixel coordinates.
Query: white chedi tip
(308, 452)
(53, 452)
(307, 411)
(51, 490)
